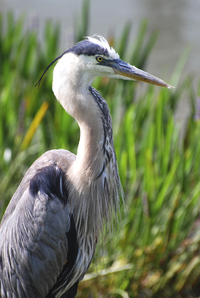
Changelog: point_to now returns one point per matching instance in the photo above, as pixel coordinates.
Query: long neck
(94, 174)
(95, 149)
(71, 86)
(93, 177)
(95, 169)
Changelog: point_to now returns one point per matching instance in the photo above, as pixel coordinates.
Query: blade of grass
(36, 121)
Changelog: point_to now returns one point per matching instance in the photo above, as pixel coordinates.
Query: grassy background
(155, 252)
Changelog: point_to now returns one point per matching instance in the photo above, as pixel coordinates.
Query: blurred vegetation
(155, 251)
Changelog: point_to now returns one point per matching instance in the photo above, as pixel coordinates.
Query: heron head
(102, 59)
(94, 57)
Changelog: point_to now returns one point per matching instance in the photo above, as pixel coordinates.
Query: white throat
(70, 85)
(94, 173)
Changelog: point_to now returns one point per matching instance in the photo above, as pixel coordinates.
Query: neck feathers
(93, 176)
(96, 174)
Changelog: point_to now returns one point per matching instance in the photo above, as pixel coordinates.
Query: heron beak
(133, 73)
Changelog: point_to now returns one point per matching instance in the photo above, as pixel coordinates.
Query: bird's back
(60, 158)
(39, 250)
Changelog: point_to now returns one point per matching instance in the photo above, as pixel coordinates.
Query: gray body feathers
(48, 215)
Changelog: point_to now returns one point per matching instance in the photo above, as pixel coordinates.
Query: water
(178, 22)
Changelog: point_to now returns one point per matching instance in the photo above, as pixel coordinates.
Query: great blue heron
(51, 226)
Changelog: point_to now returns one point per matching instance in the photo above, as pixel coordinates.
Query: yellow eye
(99, 58)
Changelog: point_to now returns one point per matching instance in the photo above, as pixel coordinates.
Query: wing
(38, 238)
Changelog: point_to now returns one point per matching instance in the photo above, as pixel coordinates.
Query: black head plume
(39, 81)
